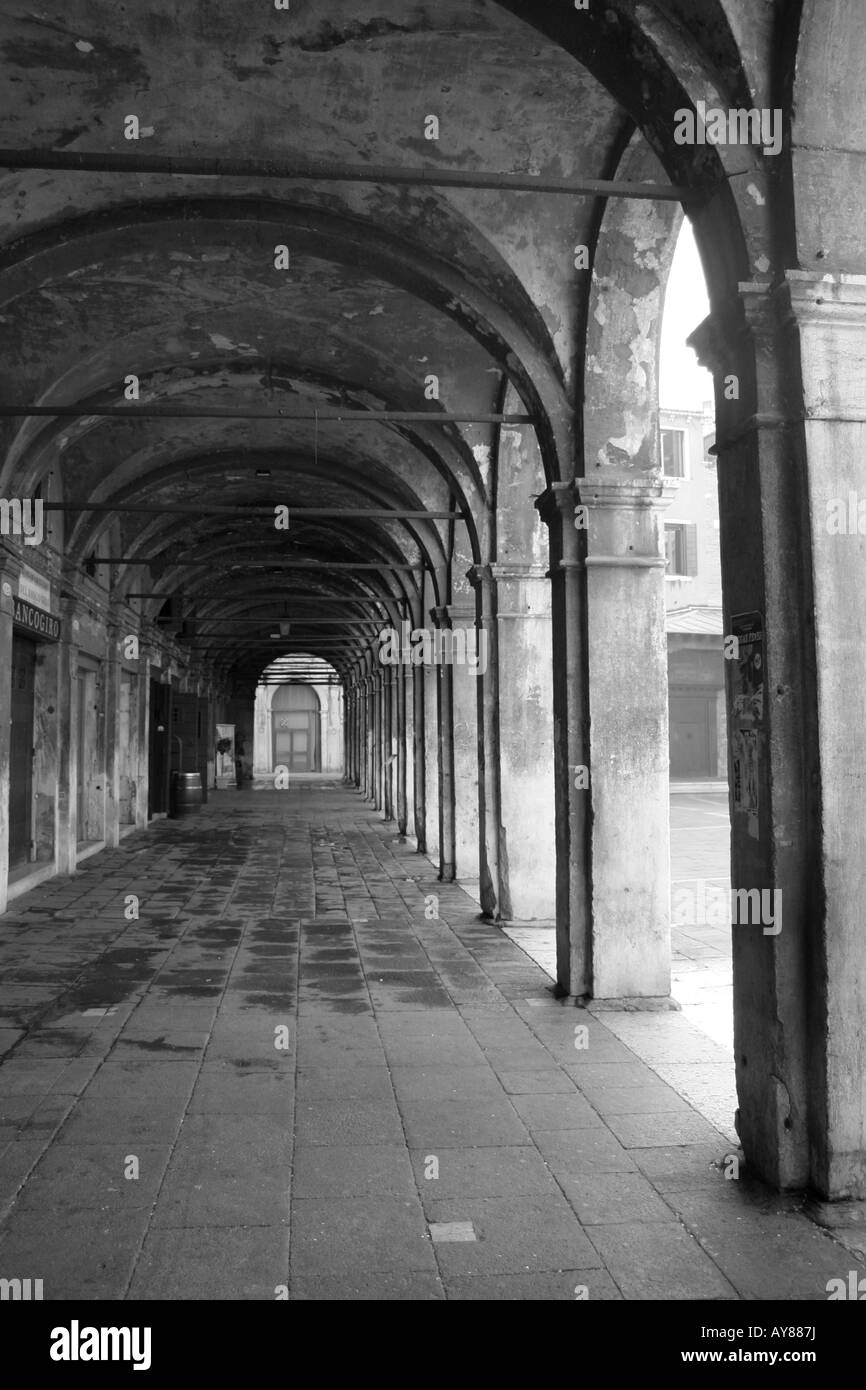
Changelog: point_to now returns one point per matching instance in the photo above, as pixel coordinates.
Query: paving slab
(565, 1286)
(556, 1111)
(347, 1122)
(78, 1255)
(481, 1121)
(515, 1235)
(601, 1199)
(104, 1179)
(352, 1170)
(379, 1235)
(516, 1171)
(445, 1083)
(376, 1287)
(233, 1264)
(659, 1261)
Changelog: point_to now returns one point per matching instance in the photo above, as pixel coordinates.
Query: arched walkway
(374, 378)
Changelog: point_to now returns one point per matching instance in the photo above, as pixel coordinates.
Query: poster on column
(748, 629)
(744, 746)
(747, 655)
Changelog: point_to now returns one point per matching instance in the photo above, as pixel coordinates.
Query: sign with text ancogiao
(36, 620)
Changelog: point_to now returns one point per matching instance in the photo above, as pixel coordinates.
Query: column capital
(809, 297)
(828, 314)
(557, 501)
(70, 608)
(461, 613)
(522, 587)
(152, 653)
(629, 492)
(498, 573)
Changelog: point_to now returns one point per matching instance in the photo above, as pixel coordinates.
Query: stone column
(493, 873)
(369, 736)
(432, 763)
(142, 746)
(830, 316)
(467, 773)
(349, 735)
(629, 747)
(570, 741)
(382, 762)
(361, 721)
(378, 738)
(793, 514)
(518, 740)
(358, 762)
(357, 726)
(402, 735)
(442, 676)
(418, 752)
(389, 761)
(67, 741)
(10, 569)
(112, 726)
(362, 731)
(770, 550)
(348, 732)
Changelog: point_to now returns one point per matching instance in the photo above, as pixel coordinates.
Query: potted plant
(240, 749)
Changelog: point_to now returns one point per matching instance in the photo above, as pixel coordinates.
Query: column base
(658, 1003)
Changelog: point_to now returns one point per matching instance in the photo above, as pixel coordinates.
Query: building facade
(693, 599)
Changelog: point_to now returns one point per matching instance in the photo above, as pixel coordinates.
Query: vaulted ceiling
(171, 277)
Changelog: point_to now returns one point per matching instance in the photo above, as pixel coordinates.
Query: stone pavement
(287, 1072)
(694, 1049)
(701, 854)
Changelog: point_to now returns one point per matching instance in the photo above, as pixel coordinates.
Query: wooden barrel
(185, 793)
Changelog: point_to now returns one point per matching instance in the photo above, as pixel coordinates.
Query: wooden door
(21, 752)
(691, 722)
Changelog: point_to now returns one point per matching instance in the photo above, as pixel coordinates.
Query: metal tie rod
(210, 166)
(226, 625)
(292, 597)
(251, 509)
(216, 561)
(230, 412)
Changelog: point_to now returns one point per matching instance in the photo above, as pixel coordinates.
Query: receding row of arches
(304, 387)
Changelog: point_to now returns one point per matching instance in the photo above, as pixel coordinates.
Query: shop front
(32, 730)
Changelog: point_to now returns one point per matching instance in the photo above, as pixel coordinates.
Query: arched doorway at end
(295, 720)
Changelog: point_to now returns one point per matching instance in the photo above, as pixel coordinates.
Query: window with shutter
(691, 549)
(673, 453)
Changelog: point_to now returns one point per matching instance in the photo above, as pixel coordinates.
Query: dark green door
(21, 752)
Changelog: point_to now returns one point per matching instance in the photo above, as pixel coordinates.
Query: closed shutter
(691, 540)
(184, 726)
(205, 741)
